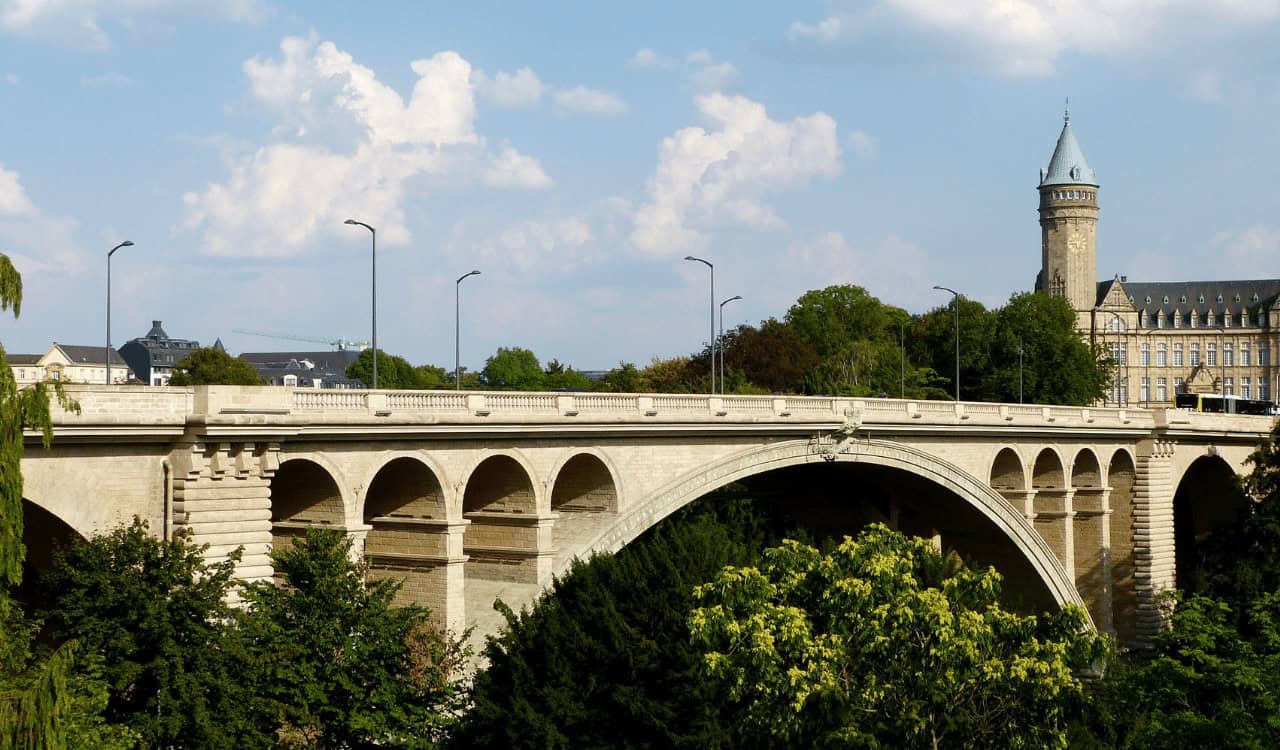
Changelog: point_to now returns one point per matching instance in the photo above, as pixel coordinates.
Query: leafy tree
(625, 378)
(933, 344)
(43, 700)
(154, 612)
(211, 366)
(1059, 367)
(676, 375)
(395, 373)
(882, 644)
(335, 665)
(830, 319)
(562, 378)
(773, 356)
(513, 368)
(604, 660)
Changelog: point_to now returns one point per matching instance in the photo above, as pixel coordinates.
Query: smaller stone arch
(1051, 512)
(1007, 471)
(304, 494)
(1047, 472)
(1085, 470)
(584, 482)
(507, 537)
(1121, 479)
(406, 486)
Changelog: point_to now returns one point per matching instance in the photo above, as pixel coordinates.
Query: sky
(575, 153)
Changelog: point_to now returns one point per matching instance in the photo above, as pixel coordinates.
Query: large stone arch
(43, 532)
(971, 490)
(1206, 498)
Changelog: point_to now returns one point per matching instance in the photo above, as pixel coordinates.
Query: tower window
(1183, 299)
(1166, 299)
(1219, 299)
(1202, 299)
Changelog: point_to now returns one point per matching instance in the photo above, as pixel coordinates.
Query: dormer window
(1183, 299)
(1209, 318)
(1219, 299)
(1244, 318)
(1237, 297)
(1255, 296)
(1148, 299)
(1226, 320)
(1142, 318)
(1202, 299)
(1194, 318)
(1177, 319)
(1159, 318)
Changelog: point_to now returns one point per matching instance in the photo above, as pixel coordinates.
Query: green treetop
(211, 366)
(513, 369)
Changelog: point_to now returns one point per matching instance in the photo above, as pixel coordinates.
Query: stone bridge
(468, 496)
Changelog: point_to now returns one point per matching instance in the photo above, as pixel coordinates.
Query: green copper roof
(1068, 166)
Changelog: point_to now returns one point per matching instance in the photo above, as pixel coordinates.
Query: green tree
(154, 612)
(211, 366)
(605, 661)
(1059, 367)
(562, 378)
(882, 644)
(773, 356)
(932, 343)
(625, 378)
(830, 319)
(676, 375)
(395, 373)
(335, 665)
(513, 369)
(44, 702)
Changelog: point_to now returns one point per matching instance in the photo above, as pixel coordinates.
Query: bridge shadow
(832, 500)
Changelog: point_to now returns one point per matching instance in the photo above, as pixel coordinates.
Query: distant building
(152, 357)
(68, 364)
(305, 369)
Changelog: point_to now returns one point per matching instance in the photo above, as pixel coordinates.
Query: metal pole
(1020, 370)
(902, 360)
(955, 301)
(721, 338)
(107, 352)
(374, 296)
(708, 264)
(457, 329)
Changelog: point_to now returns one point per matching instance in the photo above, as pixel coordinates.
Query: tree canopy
(395, 373)
(212, 366)
(881, 644)
(513, 368)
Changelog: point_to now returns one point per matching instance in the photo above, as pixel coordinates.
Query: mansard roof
(89, 355)
(1219, 296)
(1068, 165)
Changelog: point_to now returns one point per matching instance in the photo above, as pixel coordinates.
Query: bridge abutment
(1154, 556)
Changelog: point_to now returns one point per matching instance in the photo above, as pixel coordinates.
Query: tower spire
(1066, 113)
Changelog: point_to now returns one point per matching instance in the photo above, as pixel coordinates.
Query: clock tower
(1068, 226)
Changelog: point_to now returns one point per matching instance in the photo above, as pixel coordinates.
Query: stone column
(222, 497)
(1091, 535)
(426, 554)
(1153, 543)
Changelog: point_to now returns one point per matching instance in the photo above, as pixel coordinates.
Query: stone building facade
(1166, 337)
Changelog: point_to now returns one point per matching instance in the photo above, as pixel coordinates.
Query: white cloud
(512, 169)
(519, 90)
(36, 241)
(719, 176)
(1026, 37)
(647, 58)
(894, 269)
(531, 246)
(863, 144)
(706, 74)
(111, 80)
(78, 23)
(283, 195)
(11, 79)
(1253, 253)
(583, 99)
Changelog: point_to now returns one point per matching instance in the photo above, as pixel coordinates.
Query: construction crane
(339, 343)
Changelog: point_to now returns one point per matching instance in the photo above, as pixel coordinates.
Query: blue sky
(574, 153)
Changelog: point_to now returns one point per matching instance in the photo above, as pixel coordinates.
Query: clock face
(1075, 245)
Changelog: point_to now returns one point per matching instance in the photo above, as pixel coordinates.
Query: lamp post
(955, 302)
(110, 253)
(457, 329)
(720, 338)
(1020, 353)
(902, 360)
(373, 233)
(713, 317)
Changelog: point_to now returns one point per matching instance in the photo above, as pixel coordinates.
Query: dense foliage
(395, 373)
(212, 366)
(880, 643)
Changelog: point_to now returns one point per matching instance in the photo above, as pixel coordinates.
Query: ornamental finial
(1066, 113)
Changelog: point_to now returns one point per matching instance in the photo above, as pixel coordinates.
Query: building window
(1124, 390)
(1146, 356)
(1262, 389)
(1244, 318)
(1245, 390)
(1116, 325)
(1162, 354)
(1228, 355)
(1117, 353)
(1244, 354)
(1229, 387)
(1262, 353)
(1195, 355)
(1144, 394)
(1211, 353)
(1226, 320)
(1194, 318)
(1177, 355)
(1162, 389)
(1209, 318)
(1177, 319)
(1179, 385)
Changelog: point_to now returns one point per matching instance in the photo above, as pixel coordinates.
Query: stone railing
(143, 405)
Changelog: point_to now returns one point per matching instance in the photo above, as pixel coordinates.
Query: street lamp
(720, 338)
(457, 328)
(374, 297)
(955, 302)
(1020, 352)
(110, 253)
(713, 317)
